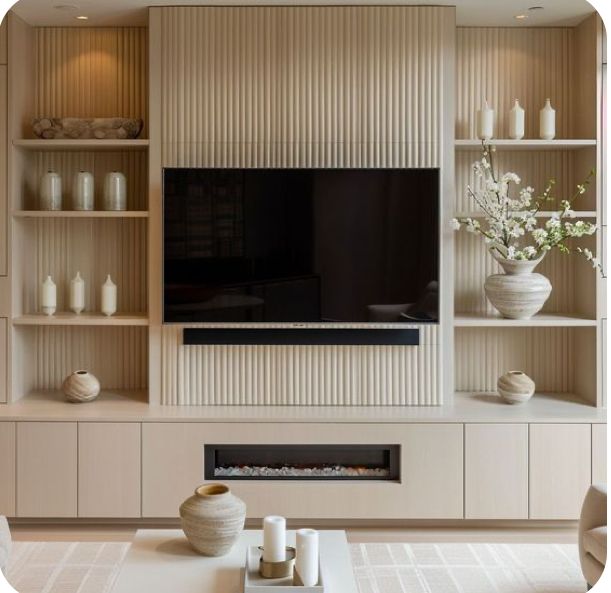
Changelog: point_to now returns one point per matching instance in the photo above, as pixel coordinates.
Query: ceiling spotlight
(82, 17)
(520, 17)
(536, 8)
(66, 7)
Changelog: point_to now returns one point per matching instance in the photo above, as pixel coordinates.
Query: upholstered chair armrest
(593, 512)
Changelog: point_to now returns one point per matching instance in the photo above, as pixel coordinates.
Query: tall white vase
(516, 121)
(547, 121)
(77, 294)
(51, 191)
(109, 297)
(115, 191)
(519, 293)
(485, 122)
(48, 300)
(83, 191)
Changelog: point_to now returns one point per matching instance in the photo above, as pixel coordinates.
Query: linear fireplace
(302, 462)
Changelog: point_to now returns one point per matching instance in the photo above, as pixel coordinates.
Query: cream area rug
(90, 567)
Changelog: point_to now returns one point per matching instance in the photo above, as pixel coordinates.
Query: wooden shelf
(114, 145)
(523, 144)
(80, 214)
(542, 214)
(88, 319)
(539, 320)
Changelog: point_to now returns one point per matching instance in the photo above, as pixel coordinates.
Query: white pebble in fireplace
(336, 471)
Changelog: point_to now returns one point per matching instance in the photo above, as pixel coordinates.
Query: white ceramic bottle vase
(48, 300)
(109, 297)
(83, 191)
(485, 122)
(547, 122)
(115, 191)
(516, 121)
(77, 294)
(51, 191)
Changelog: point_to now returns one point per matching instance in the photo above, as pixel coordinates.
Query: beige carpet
(73, 567)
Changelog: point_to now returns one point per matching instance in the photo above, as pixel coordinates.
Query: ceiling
(468, 12)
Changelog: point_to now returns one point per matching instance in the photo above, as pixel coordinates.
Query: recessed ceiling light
(66, 7)
(536, 8)
(82, 17)
(520, 17)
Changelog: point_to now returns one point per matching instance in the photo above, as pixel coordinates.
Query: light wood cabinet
(109, 469)
(599, 453)
(560, 469)
(3, 170)
(496, 471)
(7, 469)
(431, 468)
(47, 469)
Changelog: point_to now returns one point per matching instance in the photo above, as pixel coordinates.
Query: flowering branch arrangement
(510, 226)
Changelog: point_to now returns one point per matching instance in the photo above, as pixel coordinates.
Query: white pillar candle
(49, 296)
(51, 191)
(306, 558)
(516, 121)
(485, 122)
(77, 294)
(109, 297)
(82, 192)
(274, 539)
(547, 121)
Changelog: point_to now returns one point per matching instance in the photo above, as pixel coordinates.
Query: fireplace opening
(302, 462)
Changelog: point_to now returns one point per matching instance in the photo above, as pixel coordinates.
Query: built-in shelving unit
(559, 347)
(36, 144)
(90, 319)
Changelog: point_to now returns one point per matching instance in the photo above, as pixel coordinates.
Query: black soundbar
(200, 336)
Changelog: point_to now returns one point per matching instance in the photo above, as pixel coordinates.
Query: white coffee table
(161, 561)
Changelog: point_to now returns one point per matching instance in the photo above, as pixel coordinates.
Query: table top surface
(161, 561)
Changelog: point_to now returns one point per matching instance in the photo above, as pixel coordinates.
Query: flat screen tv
(301, 245)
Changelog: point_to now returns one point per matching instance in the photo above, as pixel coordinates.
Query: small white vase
(519, 293)
(515, 387)
(484, 119)
(547, 121)
(516, 122)
(51, 191)
(81, 386)
(109, 297)
(77, 294)
(115, 191)
(48, 300)
(83, 191)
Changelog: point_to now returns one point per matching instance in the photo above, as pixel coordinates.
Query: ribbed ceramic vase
(212, 519)
(80, 387)
(520, 292)
(515, 387)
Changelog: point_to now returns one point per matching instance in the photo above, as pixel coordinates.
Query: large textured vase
(212, 519)
(519, 293)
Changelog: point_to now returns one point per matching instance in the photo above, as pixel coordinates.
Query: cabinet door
(109, 469)
(7, 469)
(496, 471)
(599, 453)
(3, 176)
(560, 469)
(46, 469)
(3, 360)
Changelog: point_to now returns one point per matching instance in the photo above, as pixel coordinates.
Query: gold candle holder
(278, 570)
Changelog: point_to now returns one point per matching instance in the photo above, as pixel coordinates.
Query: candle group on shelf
(77, 296)
(484, 122)
(306, 548)
(83, 191)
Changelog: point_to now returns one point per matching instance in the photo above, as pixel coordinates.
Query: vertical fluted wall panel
(92, 72)
(502, 64)
(484, 354)
(302, 87)
(115, 355)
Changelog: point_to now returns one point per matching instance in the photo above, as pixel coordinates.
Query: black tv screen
(301, 245)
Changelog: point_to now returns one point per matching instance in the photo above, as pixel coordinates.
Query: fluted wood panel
(300, 375)
(545, 354)
(132, 164)
(91, 72)
(117, 356)
(93, 247)
(303, 87)
(502, 64)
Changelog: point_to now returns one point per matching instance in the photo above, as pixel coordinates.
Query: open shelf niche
(44, 350)
(559, 348)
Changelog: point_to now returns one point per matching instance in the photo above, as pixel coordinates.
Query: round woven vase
(519, 293)
(212, 519)
(80, 387)
(515, 387)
